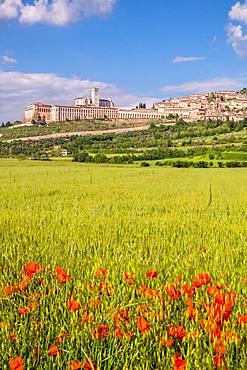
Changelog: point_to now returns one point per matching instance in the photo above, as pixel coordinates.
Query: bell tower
(95, 96)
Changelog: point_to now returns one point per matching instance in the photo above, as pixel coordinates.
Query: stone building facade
(87, 107)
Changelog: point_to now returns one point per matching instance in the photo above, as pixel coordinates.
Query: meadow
(114, 267)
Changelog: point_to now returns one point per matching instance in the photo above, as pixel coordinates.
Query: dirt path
(82, 133)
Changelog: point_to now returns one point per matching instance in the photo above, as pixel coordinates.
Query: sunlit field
(107, 267)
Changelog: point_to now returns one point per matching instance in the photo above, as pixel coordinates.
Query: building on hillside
(37, 112)
(61, 113)
(87, 107)
(223, 106)
(141, 114)
(64, 153)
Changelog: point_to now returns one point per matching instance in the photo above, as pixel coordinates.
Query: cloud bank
(54, 12)
(27, 88)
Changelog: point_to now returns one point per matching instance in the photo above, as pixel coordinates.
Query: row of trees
(201, 164)
(158, 154)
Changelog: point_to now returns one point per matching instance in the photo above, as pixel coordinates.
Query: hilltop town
(225, 105)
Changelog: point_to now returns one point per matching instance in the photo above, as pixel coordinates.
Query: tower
(95, 96)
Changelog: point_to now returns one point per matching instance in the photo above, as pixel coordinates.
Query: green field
(235, 156)
(176, 222)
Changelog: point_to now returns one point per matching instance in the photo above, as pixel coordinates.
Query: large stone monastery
(225, 105)
(87, 107)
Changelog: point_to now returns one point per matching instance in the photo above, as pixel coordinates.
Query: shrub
(145, 164)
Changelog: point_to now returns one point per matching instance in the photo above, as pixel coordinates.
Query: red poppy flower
(128, 334)
(173, 292)
(89, 365)
(24, 282)
(219, 346)
(13, 337)
(10, 289)
(32, 268)
(213, 290)
(119, 333)
(129, 277)
(73, 305)
(169, 343)
(104, 287)
(177, 332)
(243, 319)
(60, 338)
(201, 279)
(102, 332)
(146, 291)
(188, 290)
(23, 310)
(101, 272)
(124, 314)
(53, 351)
(179, 364)
(63, 277)
(143, 324)
(219, 361)
(16, 363)
(151, 274)
(35, 295)
(75, 365)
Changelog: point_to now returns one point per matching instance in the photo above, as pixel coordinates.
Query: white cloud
(236, 35)
(26, 88)
(237, 38)
(238, 12)
(55, 12)
(8, 60)
(9, 8)
(187, 59)
(215, 84)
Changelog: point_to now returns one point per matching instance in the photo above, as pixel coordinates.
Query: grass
(176, 222)
(234, 156)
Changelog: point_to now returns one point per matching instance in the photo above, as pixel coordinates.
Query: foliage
(243, 91)
(145, 164)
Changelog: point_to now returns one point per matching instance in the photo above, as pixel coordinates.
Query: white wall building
(86, 107)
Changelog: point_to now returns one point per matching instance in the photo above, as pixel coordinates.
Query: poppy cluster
(176, 313)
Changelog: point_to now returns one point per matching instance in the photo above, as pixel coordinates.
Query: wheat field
(121, 267)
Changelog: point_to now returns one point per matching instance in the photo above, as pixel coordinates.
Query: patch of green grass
(234, 156)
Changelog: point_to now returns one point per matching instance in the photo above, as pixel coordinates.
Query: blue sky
(133, 50)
